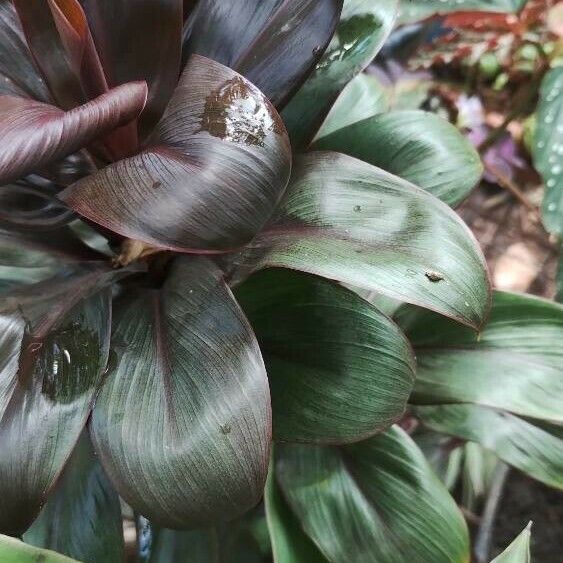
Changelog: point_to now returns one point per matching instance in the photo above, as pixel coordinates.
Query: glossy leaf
(339, 370)
(346, 220)
(35, 134)
(363, 97)
(363, 28)
(420, 147)
(82, 517)
(15, 551)
(196, 546)
(54, 346)
(514, 364)
(290, 544)
(519, 550)
(139, 40)
(217, 167)
(182, 425)
(57, 49)
(548, 148)
(519, 443)
(273, 43)
(377, 499)
(18, 73)
(414, 10)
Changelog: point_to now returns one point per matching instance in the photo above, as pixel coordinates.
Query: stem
(508, 184)
(484, 536)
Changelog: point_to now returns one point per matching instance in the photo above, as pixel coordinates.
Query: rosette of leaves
(170, 269)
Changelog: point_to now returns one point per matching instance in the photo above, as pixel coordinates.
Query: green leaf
(548, 148)
(195, 546)
(54, 345)
(414, 10)
(363, 97)
(519, 443)
(290, 544)
(182, 425)
(519, 550)
(82, 517)
(339, 370)
(15, 551)
(514, 364)
(364, 26)
(346, 220)
(420, 147)
(376, 499)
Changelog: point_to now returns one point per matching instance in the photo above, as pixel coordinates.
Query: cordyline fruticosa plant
(175, 222)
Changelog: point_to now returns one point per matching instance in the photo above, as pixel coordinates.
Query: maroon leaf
(218, 165)
(274, 43)
(35, 134)
(54, 348)
(139, 40)
(18, 74)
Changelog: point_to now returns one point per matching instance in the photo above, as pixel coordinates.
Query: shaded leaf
(363, 97)
(514, 364)
(196, 546)
(377, 499)
(420, 147)
(363, 28)
(18, 74)
(519, 550)
(339, 370)
(139, 40)
(414, 10)
(82, 517)
(218, 165)
(290, 544)
(519, 443)
(182, 425)
(35, 134)
(15, 551)
(548, 148)
(349, 221)
(273, 43)
(54, 345)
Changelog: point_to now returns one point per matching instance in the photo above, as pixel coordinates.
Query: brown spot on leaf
(434, 276)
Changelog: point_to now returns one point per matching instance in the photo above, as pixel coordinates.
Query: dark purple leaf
(54, 344)
(183, 424)
(35, 134)
(18, 74)
(217, 166)
(139, 40)
(274, 43)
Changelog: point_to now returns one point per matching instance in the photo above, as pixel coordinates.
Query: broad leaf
(363, 28)
(15, 551)
(519, 550)
(182, 425)
(420, 147)
(54, 345)
(196, 546)
(414, 10)
(36, 134)
(273, 43)
(548, 148)
(82, 517)
(139, 40)
(514, 364)
(377, 499)
(339, 369)
(519, 443)
(290, 544)
(363, 97)
(217, 166)
(349, 221)
(18, 74)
